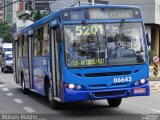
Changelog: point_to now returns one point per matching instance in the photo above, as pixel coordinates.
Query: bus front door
(30, 54)
(56, 63)
(15, 61)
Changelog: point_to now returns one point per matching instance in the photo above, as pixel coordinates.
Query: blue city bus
(89, 52)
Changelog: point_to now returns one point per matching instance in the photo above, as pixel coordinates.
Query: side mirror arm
(148, 39)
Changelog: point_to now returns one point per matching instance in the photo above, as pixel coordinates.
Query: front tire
(53, 103)
(114, 102)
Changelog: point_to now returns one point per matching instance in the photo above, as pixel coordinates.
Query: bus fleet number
(122, 80)
(87, 30)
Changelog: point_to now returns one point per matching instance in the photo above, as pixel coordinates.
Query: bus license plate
(139, 90)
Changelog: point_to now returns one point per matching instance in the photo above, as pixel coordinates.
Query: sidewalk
(151, 76)
(1, 81)
(155, 85)
(151, 67)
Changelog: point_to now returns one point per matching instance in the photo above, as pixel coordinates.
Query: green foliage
(5, 32)
(151, 55)
(34, 16)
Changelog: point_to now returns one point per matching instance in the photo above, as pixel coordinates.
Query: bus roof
(57, 13)
(101, 6)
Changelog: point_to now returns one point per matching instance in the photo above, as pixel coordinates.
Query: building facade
(8, 11)
(18, 9)
(1, 11)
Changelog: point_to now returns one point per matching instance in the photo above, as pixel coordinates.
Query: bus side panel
(41, 68)
(23, 70)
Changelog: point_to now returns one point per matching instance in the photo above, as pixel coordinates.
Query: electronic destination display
(101, 13)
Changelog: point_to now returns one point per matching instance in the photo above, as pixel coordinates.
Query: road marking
(155, 110)
(29, 109)
(9, 94)
(18, 100)
(5, 89)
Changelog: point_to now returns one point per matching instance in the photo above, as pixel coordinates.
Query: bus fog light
(136, 83)
(71, 86)
(142, 81)
(78, 87)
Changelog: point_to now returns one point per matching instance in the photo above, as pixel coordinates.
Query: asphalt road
(13, 101)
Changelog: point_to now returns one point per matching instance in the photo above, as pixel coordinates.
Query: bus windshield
(104, 44)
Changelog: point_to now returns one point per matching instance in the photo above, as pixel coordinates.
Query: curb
(153, 78)
(155, 86)
(1, 81)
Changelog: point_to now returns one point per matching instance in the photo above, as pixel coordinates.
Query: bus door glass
(30, 54)
(15, 62)
(56, 71)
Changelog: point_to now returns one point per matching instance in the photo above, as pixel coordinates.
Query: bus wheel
(25, 91)
(114, 102)
(53, 103)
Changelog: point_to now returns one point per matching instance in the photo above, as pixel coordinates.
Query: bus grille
(107, 74)
(113, 93)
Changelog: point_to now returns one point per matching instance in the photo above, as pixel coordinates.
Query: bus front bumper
(75, 95)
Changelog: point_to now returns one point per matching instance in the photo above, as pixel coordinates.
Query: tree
(34, 16)
(5, 32)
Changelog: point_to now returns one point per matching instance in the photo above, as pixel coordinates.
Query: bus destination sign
(99, 13)
(114, 14)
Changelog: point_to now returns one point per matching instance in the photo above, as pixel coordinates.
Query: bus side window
(41, 42)
(38, 36)
(20, 46)
(25, 46)
(45, 41)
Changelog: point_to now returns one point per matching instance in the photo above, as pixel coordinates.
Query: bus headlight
(136, 83)
(78, 87)
(74, 86)
(142, 81)
(71, 86)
